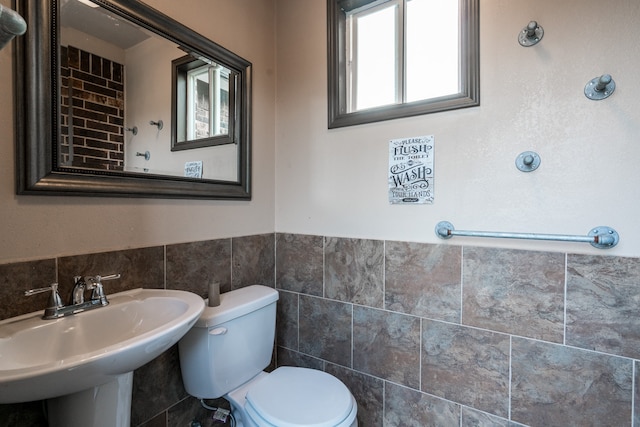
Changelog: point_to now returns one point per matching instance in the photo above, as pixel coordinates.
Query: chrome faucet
(77, 296)
(78, 304)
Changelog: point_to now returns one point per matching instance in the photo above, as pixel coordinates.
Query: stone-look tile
(368, 392)
(299, 263)
(354, 271)
(602, 304)
(325, 329)
(423, 280)
(287, 357)
(157, 386)
(472, 418)
(553, 385)
(287, 320)
(140, 268)
(192, 266)
(466, 365)
(15, 278)
(410, 408)
(514, 291)
(253, 261)
(387, 345)
(29, 414)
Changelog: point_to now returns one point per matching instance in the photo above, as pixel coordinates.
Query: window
(207, 102)
(397, 58)
(202, 101)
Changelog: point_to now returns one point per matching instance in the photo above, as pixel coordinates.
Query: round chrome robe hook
(600, 87)
(531, 34)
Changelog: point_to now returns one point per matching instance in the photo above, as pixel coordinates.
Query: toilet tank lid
(237, 303)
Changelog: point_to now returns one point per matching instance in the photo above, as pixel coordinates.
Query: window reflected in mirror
(202, 100)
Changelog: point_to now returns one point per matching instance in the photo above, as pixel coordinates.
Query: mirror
(116, 99)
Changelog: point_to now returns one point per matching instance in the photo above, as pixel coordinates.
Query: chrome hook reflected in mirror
(146, 155)
(159, 124)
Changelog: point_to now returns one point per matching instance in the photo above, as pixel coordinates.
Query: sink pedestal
(106, 405)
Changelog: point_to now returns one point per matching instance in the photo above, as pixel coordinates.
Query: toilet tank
(229, 344)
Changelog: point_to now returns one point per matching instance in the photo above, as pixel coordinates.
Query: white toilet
(227, 349)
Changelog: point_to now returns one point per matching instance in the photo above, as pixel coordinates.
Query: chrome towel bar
(599, 237)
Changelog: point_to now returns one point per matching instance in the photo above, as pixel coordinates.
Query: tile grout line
(564, 320)
(510, 375)
(164, 249)
(633, 394)
(461, 281)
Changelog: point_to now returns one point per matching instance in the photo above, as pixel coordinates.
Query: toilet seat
(295, 397)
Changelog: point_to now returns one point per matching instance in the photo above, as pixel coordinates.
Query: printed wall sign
(411, 170)
(193, 169)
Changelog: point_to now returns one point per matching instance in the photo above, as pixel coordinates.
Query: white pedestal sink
(83, 364)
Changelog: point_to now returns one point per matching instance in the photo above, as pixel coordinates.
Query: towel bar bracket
(604, 237)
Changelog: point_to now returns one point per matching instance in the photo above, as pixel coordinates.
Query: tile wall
(423, 335)
(440, 335)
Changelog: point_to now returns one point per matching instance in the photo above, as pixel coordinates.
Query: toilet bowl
(224, 355)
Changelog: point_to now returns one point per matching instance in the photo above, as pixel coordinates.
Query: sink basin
(43, 359)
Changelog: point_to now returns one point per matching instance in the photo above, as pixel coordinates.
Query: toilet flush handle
(218, 331)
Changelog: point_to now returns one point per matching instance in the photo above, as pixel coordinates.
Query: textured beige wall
(34, 227)
(334, 182)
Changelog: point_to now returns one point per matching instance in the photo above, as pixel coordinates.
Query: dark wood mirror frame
(38, 104)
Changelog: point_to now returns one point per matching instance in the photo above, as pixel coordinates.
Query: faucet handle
(99, 278)
(54, 299)
(96, 285)
(96, 281)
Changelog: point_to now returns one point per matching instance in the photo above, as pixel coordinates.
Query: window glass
(207, 102)
(432, 38)
(374, 58)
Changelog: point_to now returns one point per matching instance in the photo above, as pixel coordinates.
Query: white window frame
(215, 100)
